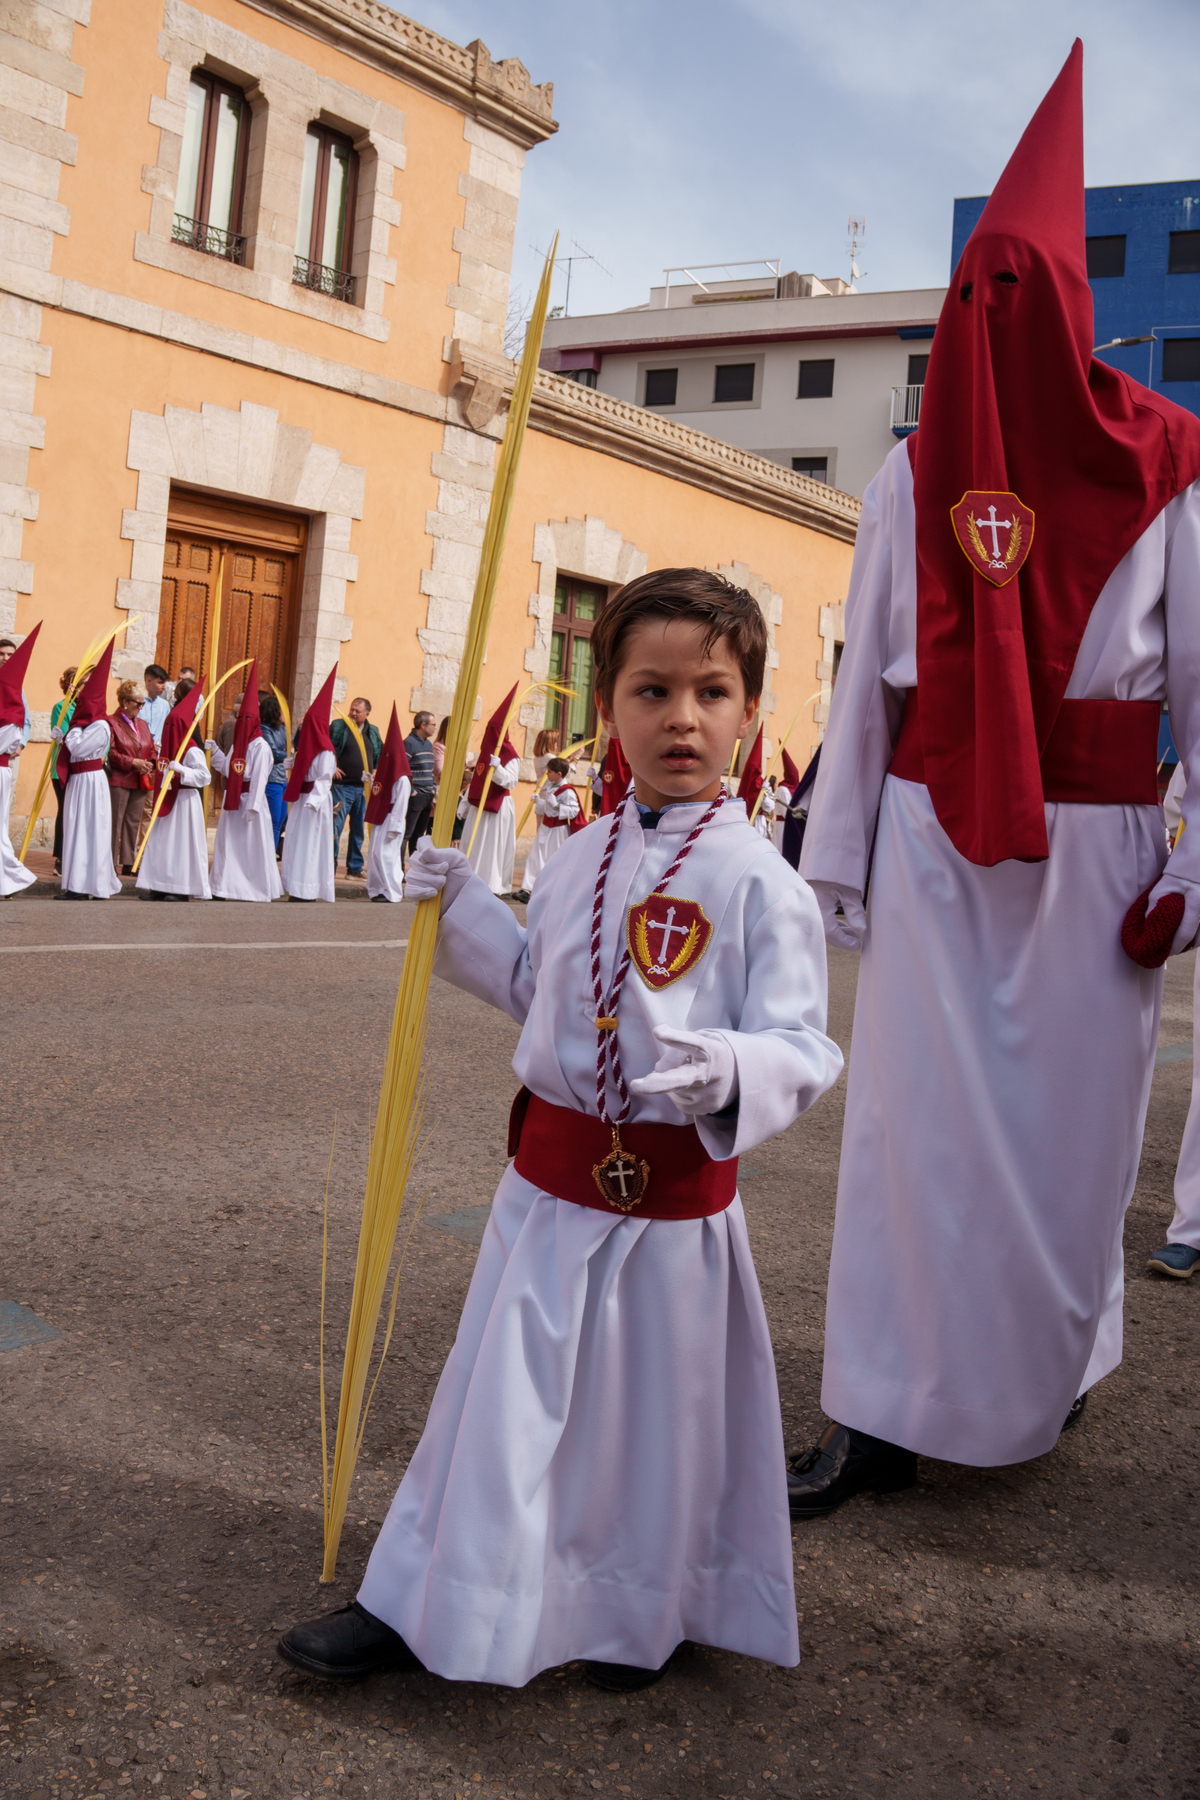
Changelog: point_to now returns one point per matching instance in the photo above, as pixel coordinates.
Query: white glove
(176, 768)
(846, 932)
(289, 762)
(1190, 923)
(210, 744)
(697, 1069)
(57, 734)
(432, 871)
(496, 763)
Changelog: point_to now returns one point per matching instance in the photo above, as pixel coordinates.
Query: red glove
(1147, 941)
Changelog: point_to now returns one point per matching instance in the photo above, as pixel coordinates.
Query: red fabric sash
(3, 762)
(86, 768)
(1099, 752)
(557, 1147)
(306, 787)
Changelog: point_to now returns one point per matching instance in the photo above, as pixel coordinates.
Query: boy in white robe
(87, 864)
(556, 803)
(243, 866)
(387, 811)
(308, 857)
(174, 864)
(13, 874)
(492, 848)
(601, 1475)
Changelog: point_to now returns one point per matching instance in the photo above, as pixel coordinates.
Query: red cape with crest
(177, 729)
(1076, 459)
(12, 680)
(615, 778)
(491, 737)
(751, 784)
(392, 765)
(313, 736)
(248, 727)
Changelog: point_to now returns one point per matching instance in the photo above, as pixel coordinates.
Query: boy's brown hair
(722, 610)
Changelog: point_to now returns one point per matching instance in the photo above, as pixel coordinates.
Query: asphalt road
(166, 1118)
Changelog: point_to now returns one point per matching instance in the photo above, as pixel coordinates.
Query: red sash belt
(552, 824)
(306, 787)
(3, 762)
(556, 1149)
(89, 767)
(1099, 753)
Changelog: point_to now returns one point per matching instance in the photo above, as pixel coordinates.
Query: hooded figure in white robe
(243, 866)
(308, 848)
(175, 854)
(87, 864)
(492, 848)
(387, 810)
(13, 874)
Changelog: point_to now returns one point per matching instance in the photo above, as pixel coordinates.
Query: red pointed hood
(791, 773)
(313, 736)
(488, 749)
(751, 783)
(177, 728)
(248, 727)
(92, 703)
(12, 680)
(393, 763)
(1077, 461)
(615, 778)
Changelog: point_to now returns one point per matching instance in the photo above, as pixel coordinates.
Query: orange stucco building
(254, 276)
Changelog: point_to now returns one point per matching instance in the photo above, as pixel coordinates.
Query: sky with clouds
(695, 130)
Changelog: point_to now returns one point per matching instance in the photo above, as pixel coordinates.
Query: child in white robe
(387, 812)
(13, 874)
(87, 864)
(602, 1472)
(174, 863)
(494, 849)
(243, 866)
(308, 847)
(556, 804)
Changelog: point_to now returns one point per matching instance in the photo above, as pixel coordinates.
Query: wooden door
(263, 556)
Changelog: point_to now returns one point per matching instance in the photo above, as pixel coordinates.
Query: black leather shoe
(622, 1678)
(1076, 1412)
(845, 1463)
(346, 1644)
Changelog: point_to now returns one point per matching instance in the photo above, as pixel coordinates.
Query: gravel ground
(166, 1126)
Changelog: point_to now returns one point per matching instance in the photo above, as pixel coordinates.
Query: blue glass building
(1144, 266)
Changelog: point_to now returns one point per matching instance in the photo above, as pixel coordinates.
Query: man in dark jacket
(349, 791)
(424, 782)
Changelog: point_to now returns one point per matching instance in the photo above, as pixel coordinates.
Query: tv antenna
(856, 231)
(581, 255)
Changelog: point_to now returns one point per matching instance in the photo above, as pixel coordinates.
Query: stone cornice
(500, 94)
(565, 409)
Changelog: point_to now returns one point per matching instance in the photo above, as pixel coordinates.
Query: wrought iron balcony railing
(906, 409)
(230, 246)
(323, 280)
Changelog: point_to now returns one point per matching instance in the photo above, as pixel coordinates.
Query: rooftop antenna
(581, 255)
(856, 231)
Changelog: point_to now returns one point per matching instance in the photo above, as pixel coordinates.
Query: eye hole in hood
(1007, 277)
(966, 290)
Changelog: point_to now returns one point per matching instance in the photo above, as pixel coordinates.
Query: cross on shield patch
(667, 936)
(995, 533)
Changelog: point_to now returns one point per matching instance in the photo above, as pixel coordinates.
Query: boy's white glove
(56, 734)
(847, 932)
(176, 768)
(289, 762)
(432, 871)
(210, 744)
(496, 763)
(697, 1070)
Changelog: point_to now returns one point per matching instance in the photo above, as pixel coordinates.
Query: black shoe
(150, 894)
(70, 894)
(346, 1644)
(622, 1678)
(845, 1463)
(522, 894)
(382, 897)
(1076, 1412)
(301, 900)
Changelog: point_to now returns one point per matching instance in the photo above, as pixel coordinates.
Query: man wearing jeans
(348, 792)
(424, 785)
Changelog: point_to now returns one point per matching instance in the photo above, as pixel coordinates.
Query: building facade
(1143, 251)
(255, 274)
(801, 371)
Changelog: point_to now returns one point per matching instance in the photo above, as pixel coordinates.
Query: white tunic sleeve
(258, 766)
(320, 773)
(482, 948)
(507, 775)
(220, 759)
(568, 804)
(1182, 603)
(878, 663)
(397, 817)
(10, 739)
(195, 769)
(89, 742)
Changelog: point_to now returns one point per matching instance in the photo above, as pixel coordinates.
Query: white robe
(561, 802)
(175, 859)
(243, 866)
(385, 851)
(764, 820)
(13, 874)
(87, 864)
(602, 1472)
(308, 840)
(783, 799)
(1003, 1043)
(495, 848)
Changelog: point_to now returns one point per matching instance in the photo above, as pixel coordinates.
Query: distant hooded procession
(490, 835)
(1023, 598)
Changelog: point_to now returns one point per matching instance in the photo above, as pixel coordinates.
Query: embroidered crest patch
(995, 532)
(667, 936)
(376, 787)
(239, 767)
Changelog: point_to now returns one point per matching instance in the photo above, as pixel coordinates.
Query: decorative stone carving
(480, 381)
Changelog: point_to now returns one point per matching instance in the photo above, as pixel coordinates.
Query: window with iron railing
(212, 169)
(325, 231)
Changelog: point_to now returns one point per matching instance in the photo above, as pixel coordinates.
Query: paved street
(168, 1108)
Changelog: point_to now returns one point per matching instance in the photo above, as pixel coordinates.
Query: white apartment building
(802, 371)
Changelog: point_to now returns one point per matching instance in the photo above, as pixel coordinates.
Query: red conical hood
(392, 764)
(92, 703)
(791, 773)
(751, 782)
(248, 727)
(12, 680)
(177, 727)
(1036, 470)
(313, 736)
(615, 778)
(491, 746)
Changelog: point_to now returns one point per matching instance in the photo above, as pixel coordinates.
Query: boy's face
(677, 711)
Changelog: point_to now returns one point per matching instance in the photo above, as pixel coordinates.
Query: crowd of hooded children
(602, 1475)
